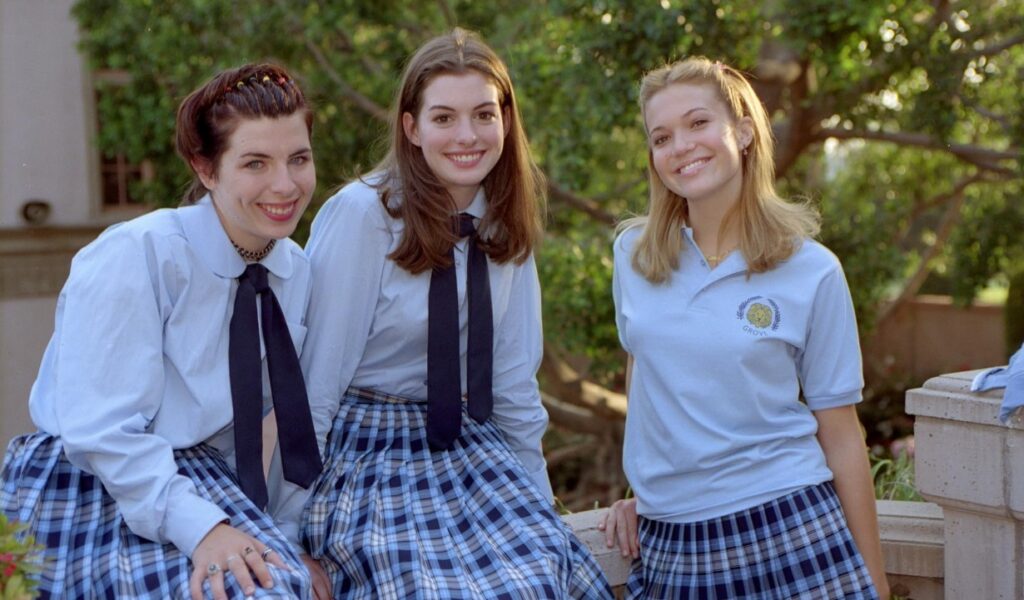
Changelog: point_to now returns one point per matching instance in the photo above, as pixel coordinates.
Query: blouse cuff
(187, 522)
(540, 478)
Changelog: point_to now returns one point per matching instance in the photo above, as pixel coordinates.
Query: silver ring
(266, 552)
(231, 558)
(212, 569)
(248, 550)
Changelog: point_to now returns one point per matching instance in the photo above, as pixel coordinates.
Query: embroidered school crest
(760, 315)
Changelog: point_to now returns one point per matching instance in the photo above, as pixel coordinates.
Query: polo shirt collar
(207, 237)
(733, 264)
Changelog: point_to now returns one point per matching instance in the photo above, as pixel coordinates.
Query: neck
(706, 219)
(463, 197)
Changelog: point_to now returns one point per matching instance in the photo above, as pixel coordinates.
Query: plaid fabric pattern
(796, 546)
(91, 553)
(389, 519)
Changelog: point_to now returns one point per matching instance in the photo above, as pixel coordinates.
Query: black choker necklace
(251, 256)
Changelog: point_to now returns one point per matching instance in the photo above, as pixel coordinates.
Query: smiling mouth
(692, 166)
(465, 158)
(279, 211)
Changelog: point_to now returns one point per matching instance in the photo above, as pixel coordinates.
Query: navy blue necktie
(444, 389)
(300, 456)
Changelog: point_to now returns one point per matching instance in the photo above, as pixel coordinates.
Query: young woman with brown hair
(424, 340)
(145, 479)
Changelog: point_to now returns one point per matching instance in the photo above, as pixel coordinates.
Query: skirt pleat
(391, 519)
(89, 551)
(796, 546)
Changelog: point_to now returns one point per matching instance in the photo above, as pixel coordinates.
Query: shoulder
(813, 255)
(626, 240)
(358, 199)
(810, 265)
(155, 232)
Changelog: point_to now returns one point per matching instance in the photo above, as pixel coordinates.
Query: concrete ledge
(912, 545)
(912, 540)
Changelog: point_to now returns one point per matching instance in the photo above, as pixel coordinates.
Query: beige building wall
(46, 153)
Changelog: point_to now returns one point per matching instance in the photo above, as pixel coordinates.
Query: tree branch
(997, 48)
(587, 205)
(948, 223)
(983, 158)
(347, 91)
(446, 10)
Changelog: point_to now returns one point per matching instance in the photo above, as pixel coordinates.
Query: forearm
(842, 440)
(856, 495)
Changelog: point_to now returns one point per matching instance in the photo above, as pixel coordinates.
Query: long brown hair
(210, 114)
(770, 228)
(512, 225)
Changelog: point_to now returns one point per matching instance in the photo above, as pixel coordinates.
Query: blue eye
(254, 165)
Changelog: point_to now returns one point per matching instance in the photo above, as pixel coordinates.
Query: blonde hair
(770, 228)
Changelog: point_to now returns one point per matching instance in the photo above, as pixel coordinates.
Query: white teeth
(465, 158)
(277, 209)
(683, 170)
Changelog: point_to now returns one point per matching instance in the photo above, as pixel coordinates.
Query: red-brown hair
(512, 226)
(209, 115)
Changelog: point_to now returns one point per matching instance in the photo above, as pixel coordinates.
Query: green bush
(19, 562)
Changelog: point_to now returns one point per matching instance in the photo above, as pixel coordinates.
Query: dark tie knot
(256, 275)
(466, 226)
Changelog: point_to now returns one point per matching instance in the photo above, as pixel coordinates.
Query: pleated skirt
(390, 519)
(795, 546)
(89, 550)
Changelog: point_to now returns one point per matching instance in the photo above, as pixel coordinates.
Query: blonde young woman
(742, 442)
(424, 339)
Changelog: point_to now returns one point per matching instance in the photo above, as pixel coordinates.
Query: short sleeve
(831, 373)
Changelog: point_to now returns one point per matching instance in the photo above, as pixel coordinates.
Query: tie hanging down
(444, 389)
(300, 456)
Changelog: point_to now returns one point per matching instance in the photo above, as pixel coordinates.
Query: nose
(466, 132)
(682, 145)
(283, 182)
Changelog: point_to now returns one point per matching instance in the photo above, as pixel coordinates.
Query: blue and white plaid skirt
(89, 550)
(796, 546)
(390, 519)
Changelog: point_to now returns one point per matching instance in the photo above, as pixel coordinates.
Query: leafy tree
(901, 119)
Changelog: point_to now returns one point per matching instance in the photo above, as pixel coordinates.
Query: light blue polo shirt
(715, 423)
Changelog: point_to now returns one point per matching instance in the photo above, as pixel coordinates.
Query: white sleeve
(110, 384)
(518, 349)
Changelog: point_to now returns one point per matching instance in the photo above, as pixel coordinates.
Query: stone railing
(911, 542)
(967, 542)
(972, 466)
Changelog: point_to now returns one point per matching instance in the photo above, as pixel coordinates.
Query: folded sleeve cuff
(189, 520)
(540, 478)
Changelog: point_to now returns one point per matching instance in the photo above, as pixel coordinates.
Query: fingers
(607, 525)
(270, 555)
(254, 562)
(240, 570)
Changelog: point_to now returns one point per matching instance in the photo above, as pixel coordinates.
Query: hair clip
(265, 79)
(719, 66)
(281, 80)
(240, 84)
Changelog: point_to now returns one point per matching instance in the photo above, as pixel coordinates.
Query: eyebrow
(477, 107)
(264, 155)
(684, 115)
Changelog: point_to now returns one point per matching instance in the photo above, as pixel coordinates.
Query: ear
(409, 126)
(505, 120)
(204, 170)
(745, 132)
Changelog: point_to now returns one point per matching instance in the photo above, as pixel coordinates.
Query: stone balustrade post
(972, 465)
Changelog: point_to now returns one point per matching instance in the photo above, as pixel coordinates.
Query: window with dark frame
(117, 173)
